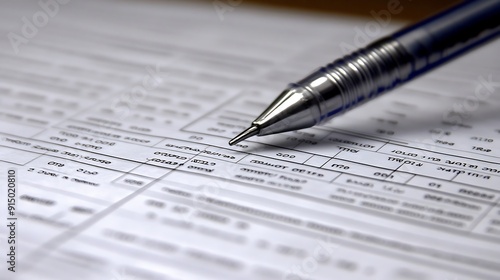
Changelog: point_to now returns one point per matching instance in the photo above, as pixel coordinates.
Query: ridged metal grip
(358, 77)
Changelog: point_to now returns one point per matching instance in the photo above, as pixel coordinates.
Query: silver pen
(381, 66)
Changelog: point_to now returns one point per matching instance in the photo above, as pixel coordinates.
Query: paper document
(114, 162)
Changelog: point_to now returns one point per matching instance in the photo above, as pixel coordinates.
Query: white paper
(114, 125)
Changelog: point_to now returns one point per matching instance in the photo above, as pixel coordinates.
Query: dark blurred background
(413, 9)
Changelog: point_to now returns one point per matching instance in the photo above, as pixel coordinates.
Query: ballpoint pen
(381, 66)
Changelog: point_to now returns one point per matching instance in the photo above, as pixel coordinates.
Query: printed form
(115, 165)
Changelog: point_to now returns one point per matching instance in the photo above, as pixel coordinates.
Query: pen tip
(247, 133)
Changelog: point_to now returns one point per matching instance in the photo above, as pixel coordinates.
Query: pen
(381, 66)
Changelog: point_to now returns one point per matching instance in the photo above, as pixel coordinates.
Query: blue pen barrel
(441, 37)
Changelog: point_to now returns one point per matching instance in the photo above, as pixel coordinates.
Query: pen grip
(357, 78)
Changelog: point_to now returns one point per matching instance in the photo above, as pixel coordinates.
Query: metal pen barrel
(368, 72)
(381, 66)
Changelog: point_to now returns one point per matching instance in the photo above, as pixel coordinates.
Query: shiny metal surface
(249, 132)
(358, 77)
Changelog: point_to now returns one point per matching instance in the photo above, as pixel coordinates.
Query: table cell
(150, 171)
(454, 188)
(284, 154)
(478, 179)
(222, 154)
(425, 168)
(102, 132)
(398, 177)
(292, 168)
(16, 156)
(134, 181)
(317, 161)
(182, 146)
(365, 183)
(369, 158)
(353, 141)
(356, 168)
(490, 224)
